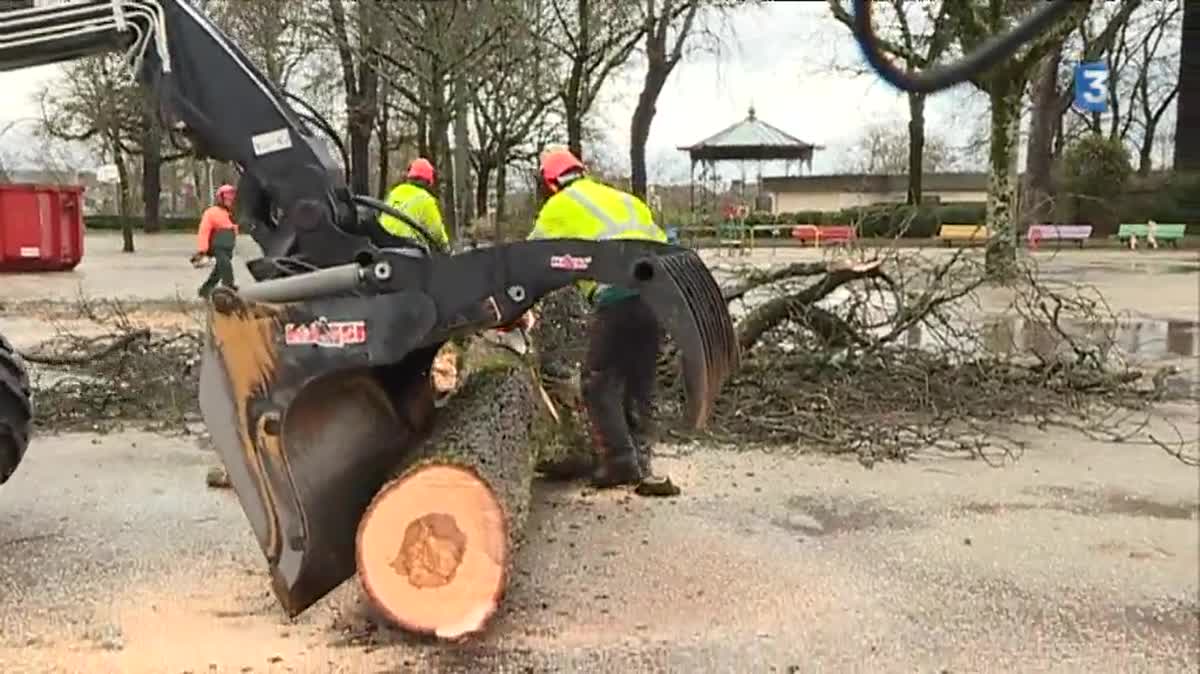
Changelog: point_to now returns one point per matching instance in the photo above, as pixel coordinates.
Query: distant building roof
(876, 184)
(752, 139)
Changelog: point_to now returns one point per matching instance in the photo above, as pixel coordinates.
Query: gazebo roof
(752, 139)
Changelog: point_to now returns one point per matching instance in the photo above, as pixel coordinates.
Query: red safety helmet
(226, 191)
(421, 169)
(556, 163)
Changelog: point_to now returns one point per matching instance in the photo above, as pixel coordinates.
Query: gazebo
(750, 139)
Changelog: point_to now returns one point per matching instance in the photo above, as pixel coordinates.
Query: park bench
(1163, 232)
(824, 234)
(1038, 233)
(967, 233)
(735, 235)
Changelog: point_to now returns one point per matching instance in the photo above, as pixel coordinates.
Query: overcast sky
(779, 63)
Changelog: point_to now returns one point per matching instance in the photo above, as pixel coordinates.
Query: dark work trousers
(618, 387)
(222, 245)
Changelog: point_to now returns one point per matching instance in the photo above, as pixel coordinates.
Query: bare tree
(430, 53)
(358, 41)
(509, 109)
(95, 101)
(917, 35)
(883, 149)
(276, 35)
(973, 23)
(667, 26)
(594, 39)
(1051, 101)
(1156, 84)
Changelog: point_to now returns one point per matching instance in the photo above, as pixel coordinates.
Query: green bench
(1163, 232)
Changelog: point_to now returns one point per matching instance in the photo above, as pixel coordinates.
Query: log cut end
(433, 551)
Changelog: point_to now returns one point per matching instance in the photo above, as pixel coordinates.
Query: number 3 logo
(1096, 88)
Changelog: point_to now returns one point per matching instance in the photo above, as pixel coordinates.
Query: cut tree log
(436, 544)
(559, 340)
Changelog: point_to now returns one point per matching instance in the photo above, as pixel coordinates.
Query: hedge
(115, 223)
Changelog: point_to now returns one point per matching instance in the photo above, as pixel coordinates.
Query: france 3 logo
(1091, 86)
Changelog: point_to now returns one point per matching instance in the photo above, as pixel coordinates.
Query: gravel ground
(115, 557)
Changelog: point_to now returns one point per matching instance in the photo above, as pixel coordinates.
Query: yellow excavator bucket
(305, 449)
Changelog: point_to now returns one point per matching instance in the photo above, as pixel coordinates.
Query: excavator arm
(315, 379)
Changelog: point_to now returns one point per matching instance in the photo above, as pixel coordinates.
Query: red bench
(824, 234)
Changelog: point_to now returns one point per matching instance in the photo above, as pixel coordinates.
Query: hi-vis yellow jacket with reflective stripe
(586, 209)
(418, 204)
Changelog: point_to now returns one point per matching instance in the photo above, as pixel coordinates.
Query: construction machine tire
(436, 544)
(16, 410)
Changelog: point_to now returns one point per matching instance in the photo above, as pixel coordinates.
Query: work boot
(616, 454)
(641, 429)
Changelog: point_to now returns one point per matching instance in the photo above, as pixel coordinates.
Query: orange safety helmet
(226, 191)
(421, 169)
(555, 164)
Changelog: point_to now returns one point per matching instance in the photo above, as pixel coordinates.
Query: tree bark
(574, 89)
(436, 544)
(462, 156)
(383, 135)
(151, 163)
(560, 339)
(423, 134)
(574, 130)
(501, 193)
(1005, 96)
(1187, 116)
(916, 147)
(1043, 125)
(482, 183)
(122, 196)
(643, 117)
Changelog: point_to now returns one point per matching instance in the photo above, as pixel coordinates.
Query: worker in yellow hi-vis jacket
(415, 198)
(620, 367)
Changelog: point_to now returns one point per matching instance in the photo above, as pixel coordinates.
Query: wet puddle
(1140, 268)
(1146, 338)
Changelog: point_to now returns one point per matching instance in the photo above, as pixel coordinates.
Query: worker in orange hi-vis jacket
(216, 238)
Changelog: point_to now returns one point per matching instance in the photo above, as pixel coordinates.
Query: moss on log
(436, 543)
(559, 340)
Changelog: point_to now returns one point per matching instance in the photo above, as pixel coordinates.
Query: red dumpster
(41, 227)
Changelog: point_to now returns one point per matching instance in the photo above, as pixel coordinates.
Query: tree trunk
(123, 201)
(1043, 125)
(384, 136)
(574, 120)
(916, 146)
(360, 153)
(462, 155)
(643, 117)
(501, 193)
(482, 183)
(423, 134)
(198, 175)
(151, 163)
(573, 101)
(1187, 117)
(436, 544)
(1005, 96)
(560, 338)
